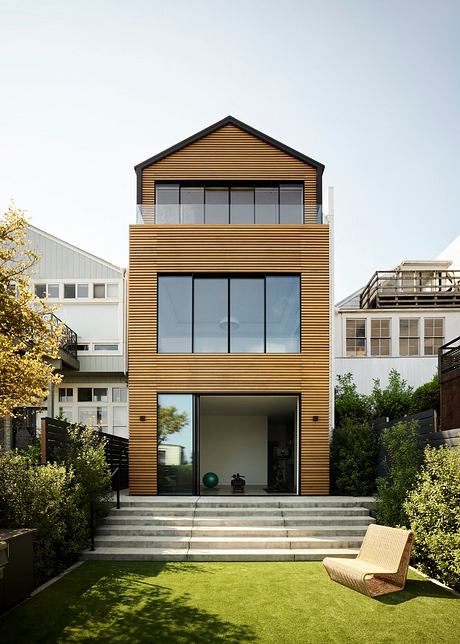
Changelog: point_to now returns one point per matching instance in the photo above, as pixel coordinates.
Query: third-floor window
(229, 314)
(280, 203)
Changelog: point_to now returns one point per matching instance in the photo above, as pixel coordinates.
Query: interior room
(254, 436)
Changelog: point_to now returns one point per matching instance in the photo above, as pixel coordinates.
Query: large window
(434, 335)
(280, 203)
(175, 314)
(409, 337)
(380, 337)
(356, 337)
(237, 314)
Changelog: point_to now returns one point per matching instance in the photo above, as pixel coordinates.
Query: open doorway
(255, 436)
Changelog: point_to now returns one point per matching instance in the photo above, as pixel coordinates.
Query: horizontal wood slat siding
(230, 154)
(300, 249)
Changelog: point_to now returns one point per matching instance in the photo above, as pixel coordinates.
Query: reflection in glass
(291, 204)
(266, 205)
(246, 315)
(210, 310)
(167, 203)
(217, 205)
(192, 205)
(283, 314)
(242, 206)
(175, 443)
(175, 314)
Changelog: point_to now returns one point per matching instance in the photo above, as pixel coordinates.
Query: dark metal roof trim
(231, 120)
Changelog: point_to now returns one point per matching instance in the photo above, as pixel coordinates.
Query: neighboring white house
(399, 320)
(90, 297)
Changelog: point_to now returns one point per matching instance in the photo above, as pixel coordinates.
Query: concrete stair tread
(265, 554)
(126, 529)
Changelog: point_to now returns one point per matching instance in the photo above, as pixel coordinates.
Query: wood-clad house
(229, 317)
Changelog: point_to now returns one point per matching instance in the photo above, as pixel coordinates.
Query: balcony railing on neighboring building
(449, 356)
(68, 342)
(389, 289)
(187, 214)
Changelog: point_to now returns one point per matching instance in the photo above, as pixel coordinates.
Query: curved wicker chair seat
(381, 565)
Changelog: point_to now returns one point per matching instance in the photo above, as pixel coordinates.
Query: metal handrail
(92, 530)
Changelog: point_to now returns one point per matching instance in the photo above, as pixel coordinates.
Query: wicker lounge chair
(381, 565)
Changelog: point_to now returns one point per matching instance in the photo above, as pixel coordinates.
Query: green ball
(210, 479)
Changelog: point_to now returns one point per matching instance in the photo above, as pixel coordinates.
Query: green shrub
(426, 397)
(350, 405)
(353, 459)
(433, 509)
(84, 453)
(44, 498)
(402, 460)
(395, 400)
(54, 498)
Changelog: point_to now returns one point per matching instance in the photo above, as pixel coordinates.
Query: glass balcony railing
(228, 214)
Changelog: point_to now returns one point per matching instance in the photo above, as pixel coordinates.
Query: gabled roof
(230, 120)
(75, 249)
(351, 301)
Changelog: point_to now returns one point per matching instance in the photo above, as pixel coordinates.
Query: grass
(286, 602)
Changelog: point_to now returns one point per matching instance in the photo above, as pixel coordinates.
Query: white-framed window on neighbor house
(381, 337)
(409, 337)
(93, 416)
(103, 291)
(355, 341)
(47, 290)
(66, 394)
(433, 336)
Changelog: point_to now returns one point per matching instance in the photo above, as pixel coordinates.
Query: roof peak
(230, 120)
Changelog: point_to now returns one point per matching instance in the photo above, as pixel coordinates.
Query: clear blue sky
(370, 88)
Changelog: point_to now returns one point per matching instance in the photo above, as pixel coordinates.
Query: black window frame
(228, 277)
(234, 184)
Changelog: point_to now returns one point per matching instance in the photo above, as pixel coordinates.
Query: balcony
(412, 289)
(449, 356)
(194, 214)
(67, 346)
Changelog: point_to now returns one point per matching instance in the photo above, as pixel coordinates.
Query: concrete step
(148, 541)
(238, 521)
(235, 531)
(210, 554)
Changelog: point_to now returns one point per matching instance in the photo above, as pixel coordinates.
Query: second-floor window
(434, 335)
(280, 203)
(237, 314)
(356, 337)
(409, 338)
(380, 337)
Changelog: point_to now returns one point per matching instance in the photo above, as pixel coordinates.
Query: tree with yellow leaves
(29, 337)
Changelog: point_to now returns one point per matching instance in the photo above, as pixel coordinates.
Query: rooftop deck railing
(449, 356)
(191, 214)
(389, 289)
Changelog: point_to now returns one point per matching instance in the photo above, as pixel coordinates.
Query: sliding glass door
(176, 453)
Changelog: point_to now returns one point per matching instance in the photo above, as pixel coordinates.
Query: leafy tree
(395, 400)
(349, 403)
(426, 397)
(170, 422)
(403, 459)
(27, 334)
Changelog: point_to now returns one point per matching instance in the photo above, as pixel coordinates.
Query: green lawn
(227, 602)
